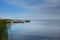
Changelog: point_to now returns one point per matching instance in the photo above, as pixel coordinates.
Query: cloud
(36, 6)
(42, 8)
(35, 3)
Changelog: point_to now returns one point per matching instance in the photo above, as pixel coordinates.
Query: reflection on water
(4, 30)
(35, 30)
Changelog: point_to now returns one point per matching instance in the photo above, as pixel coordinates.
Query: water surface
(36, 30)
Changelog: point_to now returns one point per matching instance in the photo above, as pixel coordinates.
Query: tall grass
(4, 29)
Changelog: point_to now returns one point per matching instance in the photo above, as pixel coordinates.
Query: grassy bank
(3, 30)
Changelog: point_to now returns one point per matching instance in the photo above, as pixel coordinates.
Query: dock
(14, 21)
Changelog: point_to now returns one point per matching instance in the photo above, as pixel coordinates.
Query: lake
(35, 30)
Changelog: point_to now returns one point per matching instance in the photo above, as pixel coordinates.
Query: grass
(3, 29)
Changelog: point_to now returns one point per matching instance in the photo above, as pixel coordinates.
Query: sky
(30, 9)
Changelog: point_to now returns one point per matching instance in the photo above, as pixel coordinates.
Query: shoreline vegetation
(15, 21)
(4, 29)
(5, 25)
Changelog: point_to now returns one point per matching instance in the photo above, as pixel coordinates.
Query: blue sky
(30, 9)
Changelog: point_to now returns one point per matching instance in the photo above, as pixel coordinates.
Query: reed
(4, 29)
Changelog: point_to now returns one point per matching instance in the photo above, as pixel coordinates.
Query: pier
(5, 25)
(14, 21)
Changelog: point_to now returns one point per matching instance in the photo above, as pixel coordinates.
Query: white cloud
(45, 8)
(34, 3)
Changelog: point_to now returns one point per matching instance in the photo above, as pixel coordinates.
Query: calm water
(35, 30)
